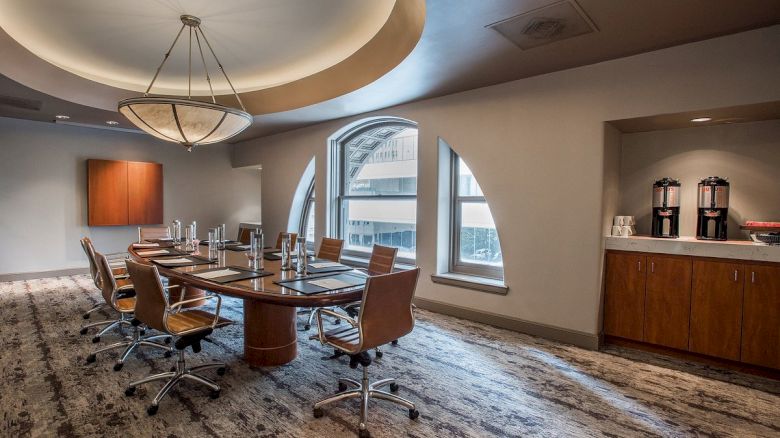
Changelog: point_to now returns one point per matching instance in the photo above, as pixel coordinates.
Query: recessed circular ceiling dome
(261, 43)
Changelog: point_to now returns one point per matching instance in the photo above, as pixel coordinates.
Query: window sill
(471, 282)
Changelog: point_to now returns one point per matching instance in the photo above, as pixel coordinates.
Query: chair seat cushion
(123, 282)
(125, 304)
(344, 338)
(193, 319)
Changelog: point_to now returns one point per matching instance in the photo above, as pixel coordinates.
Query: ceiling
(456, 51)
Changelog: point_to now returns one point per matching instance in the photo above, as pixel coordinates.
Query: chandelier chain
(165, 58)
(222, 69)
(205, 67)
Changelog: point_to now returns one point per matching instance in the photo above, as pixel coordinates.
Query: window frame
(303, 223)
(456, 265)
(339, 190)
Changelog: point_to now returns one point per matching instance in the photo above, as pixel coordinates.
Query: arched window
(475, 249)
(301, 218)
(306, 227)
(375, 187)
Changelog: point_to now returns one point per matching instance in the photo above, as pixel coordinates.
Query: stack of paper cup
(624, 226)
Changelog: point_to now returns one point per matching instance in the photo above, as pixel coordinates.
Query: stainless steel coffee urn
(666, 208)
(713, 208)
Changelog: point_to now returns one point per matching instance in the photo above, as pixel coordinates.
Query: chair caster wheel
(337, 322)
(130, 391)
(83, 331)
(167, 341)
(118, 366)
(393, 387)
(413, 414)
(221, 371)
(96, 339)
(173, 369)
(214, 395)
(318, 413)
(85, 316)
(91, 358)
(379, 354)
(142, 332)
(364, 433)
(306, 327)
(152, 410)
(395, 342)
(168, 354)
(342, 386)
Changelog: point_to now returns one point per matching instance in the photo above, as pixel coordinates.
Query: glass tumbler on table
(255, 253)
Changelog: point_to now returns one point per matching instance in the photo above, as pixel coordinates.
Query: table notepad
(178, 261)
(330, 283)
(319, 265)
(153, 252)
(146, 245)
(216, 274)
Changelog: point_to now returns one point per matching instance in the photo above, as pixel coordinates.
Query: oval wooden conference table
(270, 335)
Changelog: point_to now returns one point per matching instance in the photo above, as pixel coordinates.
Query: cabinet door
(716, 309)
(144, 193)
(761, 316)
(624, 297)
(107, 192)
(668, 301)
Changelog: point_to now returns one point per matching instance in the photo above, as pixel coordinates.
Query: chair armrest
(320, 332)
(174, 286)
(173, 308)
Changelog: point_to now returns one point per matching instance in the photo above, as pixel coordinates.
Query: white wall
(747, 153)
(43, 190)
(537, 147)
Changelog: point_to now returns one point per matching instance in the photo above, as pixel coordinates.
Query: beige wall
(747, 153)
(43, 190)
(537, 148)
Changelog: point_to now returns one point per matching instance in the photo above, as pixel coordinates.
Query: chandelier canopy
(186, 121)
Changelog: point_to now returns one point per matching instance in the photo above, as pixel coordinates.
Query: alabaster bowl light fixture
(186, 121)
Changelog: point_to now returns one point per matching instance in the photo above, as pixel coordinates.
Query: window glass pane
(382, 161)
(384, 222)
(478, 236)
(310, 222)
(467, 184)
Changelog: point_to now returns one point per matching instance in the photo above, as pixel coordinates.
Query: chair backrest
(330, 249)
(107, 283)
(293, 238)
(89, 250)
(155, 233)
(386, 310)
(244, 228)
(382, 260)
(150, 299)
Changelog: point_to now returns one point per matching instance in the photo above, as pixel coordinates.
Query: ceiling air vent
(545, 25)
(18, 102)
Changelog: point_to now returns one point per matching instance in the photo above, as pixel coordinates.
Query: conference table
(270, 333)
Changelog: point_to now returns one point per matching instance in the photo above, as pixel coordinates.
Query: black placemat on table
(305, 287)
(194, 261)
(312, 270)
(244, 274)
(239, 247)
(171, 252)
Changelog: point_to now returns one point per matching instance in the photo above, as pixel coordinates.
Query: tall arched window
(301, 218)
(375, 187)
(306, 227)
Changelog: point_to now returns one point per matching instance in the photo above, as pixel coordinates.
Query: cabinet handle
(735, 275)
(752, 276)
(652, 267)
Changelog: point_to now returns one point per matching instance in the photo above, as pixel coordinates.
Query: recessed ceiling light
(701, 119)
(112, 123)
(62, 117)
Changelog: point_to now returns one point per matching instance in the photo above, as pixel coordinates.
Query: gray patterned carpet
(468, 379)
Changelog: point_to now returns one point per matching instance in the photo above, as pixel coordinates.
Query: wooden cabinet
(124, 192)
(761, 316)
(716, 308)
(668, 301)
(624, 300)
(107, 192)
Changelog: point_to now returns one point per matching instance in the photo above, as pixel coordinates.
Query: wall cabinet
(124, 192)
(727, 309)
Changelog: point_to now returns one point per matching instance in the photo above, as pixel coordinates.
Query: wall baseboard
(43, 274)
(573, 337)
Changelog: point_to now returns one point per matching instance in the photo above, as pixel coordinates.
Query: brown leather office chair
(188, 326)
(293, 239)
(120, 274)
(155, 233)
(125, 306)
(385, 314)
(330, 249)
(245, 228)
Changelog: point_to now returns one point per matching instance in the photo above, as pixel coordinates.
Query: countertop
(730, 249)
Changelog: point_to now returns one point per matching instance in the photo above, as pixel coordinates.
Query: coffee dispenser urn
(666, 208)
(713, 208)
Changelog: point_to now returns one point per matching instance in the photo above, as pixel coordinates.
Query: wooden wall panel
(144, 193)
(107, 192)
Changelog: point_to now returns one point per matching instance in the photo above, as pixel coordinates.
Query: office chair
(385, 314)
(120, 274)
(125, 307)
(188, 326)
(155, 233)
(330, 249)
(293, 239)
(245, 228)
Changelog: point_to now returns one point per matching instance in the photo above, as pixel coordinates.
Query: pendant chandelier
(186, 121)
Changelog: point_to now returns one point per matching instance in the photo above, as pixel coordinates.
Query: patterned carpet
(468, 379)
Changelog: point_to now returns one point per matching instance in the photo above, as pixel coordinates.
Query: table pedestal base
(270, 337)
